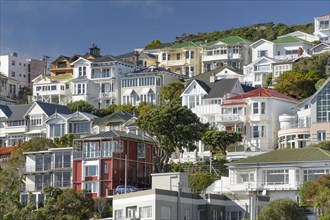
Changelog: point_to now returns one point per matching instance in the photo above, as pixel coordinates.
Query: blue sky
(54, 28)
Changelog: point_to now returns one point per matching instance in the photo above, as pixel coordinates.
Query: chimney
(94, 50)
(136, 55)
(212, 77)
(157, 64)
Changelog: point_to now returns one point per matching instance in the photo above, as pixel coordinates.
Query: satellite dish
(264, 192)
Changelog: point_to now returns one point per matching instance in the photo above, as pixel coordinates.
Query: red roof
(7, 150)
(326, 15)
(262, 92)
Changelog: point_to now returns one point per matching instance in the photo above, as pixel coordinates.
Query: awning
(36, 132)
(129, 92)
(146, 91)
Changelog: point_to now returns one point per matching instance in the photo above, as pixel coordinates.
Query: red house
(99, 162)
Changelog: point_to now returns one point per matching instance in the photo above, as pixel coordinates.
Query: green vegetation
(198, 182)
(220, 139)
(317, 194)
(302, 81)
(171, 92)
(174, 126)
(153, 43)
(65, 140)
(285, 209)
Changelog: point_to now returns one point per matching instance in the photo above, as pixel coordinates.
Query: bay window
(275, 177)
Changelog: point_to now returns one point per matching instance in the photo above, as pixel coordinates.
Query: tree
(317, 194)
(315, 63)
(285, 209)
(171, 92)
(295, 84)
(325, 145)
(174, 126)
(220, 139)
(127, 107)
(144, 108)
(198, 182)
(65, 140)
(81, 106)
(107, 111)
(269, 80)
(153, 43)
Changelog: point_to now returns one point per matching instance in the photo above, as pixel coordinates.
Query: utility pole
(125, 172)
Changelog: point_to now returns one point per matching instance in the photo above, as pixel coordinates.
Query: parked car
(121, 189)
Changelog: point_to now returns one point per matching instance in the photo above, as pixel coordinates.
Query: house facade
(276, 174)
(8, 91)
(103, 161)
(183, 58)
(52, 167)
(231, 51)
(21, 123)
(322, 28)
(171, 198)
(255, 114)
(144, 86)
(310, 122)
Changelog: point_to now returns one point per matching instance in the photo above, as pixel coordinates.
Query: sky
(34, 28)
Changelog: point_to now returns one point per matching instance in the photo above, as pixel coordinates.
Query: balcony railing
(77, 155)
(46, 168)
(230, 118)
(286, 57)
(252, 186)
(42, 186)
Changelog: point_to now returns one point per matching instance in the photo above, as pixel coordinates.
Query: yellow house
(183, 58)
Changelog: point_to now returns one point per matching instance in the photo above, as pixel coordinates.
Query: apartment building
(100, 162)
(52, 167)
(322, 28)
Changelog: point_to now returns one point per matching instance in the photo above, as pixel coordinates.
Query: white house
(321, 48)
(52, 167)
(144, 85)
(229, 51)
(276, 174)
(322, 28)
(170, 198)
(255, 114)
(283, 48)
(309, 122)
(8, 90)
(77, 123)
(53, 89)
(302, 35)
(98, 81)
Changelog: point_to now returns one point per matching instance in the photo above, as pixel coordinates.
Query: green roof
(183, 45)
(231, 40)
(288, 155)
(288, 39)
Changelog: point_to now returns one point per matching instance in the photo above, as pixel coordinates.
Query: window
(291, 52)
(323, 105)
(258, 131)
(36, 120)
(255, 108)
(263, 107)
(164, 56)
(56, 130)
(243, 176)
(192, 54)
(312, 175)
(78, 128)
(91, 170)
(84, 71)
(131, 212)
(145, 212)
(119, 214)
(91, 149)
(187, 54)
(321, 135)
(262, 53)
(214, 214)
(223, 50)
(90, 187)
(16, 123)
(255, 131)
(168, 56)
(80, 71)
(178, 56)
(108, 147)
(187, 214)
(13, 62)
(275, 177)
(61, 64)
(235, 49)
(13, 74)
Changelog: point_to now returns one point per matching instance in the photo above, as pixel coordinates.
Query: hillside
(268, 31)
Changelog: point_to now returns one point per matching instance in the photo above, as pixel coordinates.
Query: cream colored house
(183, 58)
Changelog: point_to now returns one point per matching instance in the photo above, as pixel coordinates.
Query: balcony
(173, 62)
(286, 57)
(79, 155)
(272, 186)
(230, 119)
(211, 109)
(40, 186)
(215, 57)
(46, 168)
(103, 76)
(106, 95)
(324, 27)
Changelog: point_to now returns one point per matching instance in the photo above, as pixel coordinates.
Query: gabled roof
(206, 76)
(50, 108)
(81, 58)
(204, 85)
(116, 117)
(321, 44)
(263, 92)
(326, 15)
(317, 91)
(85, 115)
(288, 40)
(261, 40)
(220, 88)
(118, 134)
(18, 112)
(288, 155)
(183, 45)
(230, 40)
(6, 110)
(60, 57)
(106, 58)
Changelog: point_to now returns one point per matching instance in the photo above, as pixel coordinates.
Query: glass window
(91, 170)
(276, 177)
(263, 107)
(255, 108)
(321, 135)
(165, 212)
(145, 212)
(262, 53)
(90, 187)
